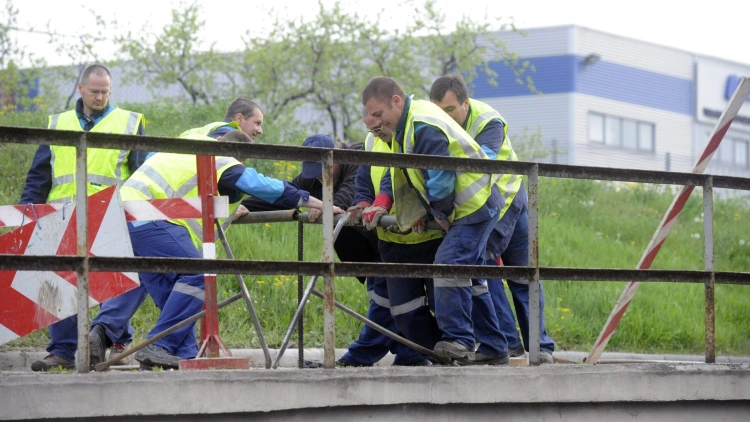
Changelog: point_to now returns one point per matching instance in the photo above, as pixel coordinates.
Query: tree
(326, 61)
(81, 53)
(173, 56)
(15, 83)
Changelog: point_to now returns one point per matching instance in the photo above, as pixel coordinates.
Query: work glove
(418, 227)
(445, 224)
(372, 214)
(355, 213)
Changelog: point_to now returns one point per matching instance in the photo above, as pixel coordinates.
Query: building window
(619, 132)
(733, 152)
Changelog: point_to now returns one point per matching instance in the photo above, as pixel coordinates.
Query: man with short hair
(241, 114)
(51, 178)
(465, 204)
(178, 295)
(509, 240)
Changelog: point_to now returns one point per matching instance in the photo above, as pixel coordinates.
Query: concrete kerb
(20, 360)
(125, 394)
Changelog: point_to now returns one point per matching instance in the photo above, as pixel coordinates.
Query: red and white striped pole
(740, 94)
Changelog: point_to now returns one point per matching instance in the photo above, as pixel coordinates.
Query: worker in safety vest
(410, 299)
(178, 295)
(51, 178)
(466, 205)
(509, 241)
(242, 114)
(353, 244)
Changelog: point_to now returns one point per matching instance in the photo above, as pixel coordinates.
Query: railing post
(300, 295)
(534, 306)
(82, 239)
(329, 301)
(708, 259)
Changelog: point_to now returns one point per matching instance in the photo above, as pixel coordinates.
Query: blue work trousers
(517, 254)
(412, 298)
(114, 315)
(371, 346)
(178, 296)
(465, 244)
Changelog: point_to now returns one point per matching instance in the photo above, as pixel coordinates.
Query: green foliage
(19, 69)
(172, 56)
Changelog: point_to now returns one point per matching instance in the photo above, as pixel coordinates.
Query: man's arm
(364, 191)
(343, 197)
(39, 178)
(439, 184)
(491, 138)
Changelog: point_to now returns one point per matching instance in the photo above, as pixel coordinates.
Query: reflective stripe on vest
(209, 128)
(105, 167)
(167, 175)
(481, 114)
(376, 175)
(471, 189)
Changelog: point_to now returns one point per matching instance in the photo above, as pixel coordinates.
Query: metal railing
(327, 268)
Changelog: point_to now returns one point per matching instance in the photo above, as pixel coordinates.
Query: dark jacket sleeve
(39, 178)
(343, 197)
(136, 158)
(363, 186)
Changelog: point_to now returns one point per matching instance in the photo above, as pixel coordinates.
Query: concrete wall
(559, 392)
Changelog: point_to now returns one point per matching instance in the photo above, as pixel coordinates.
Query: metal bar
(329, 323)
(294, 153)
(305, 298)
(82, 244)
(534, 302)
(134, 348)
(211, 342)
(360, 269)
(708, 259)
(378, 328)
(267, 217)
(300, 292)
(246, 295)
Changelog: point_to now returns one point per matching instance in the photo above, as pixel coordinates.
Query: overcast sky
(716, 28)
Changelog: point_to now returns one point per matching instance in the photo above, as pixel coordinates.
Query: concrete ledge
(122, 394)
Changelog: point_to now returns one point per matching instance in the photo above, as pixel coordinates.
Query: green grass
(582, 223)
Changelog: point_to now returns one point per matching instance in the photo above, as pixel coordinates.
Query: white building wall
(633, 53)
(548, 113)
(673, 134)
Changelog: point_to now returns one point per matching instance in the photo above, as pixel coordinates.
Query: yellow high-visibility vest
(376, 174)
(166, 175)
(104, 167)
(471, 189)
(481, 114)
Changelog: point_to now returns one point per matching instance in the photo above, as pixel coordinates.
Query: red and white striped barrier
(740, 94)
(145, 210)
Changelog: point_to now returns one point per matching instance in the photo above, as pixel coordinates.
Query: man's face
(450, 104)
(251, 125)
(381, 117)
(95, 93)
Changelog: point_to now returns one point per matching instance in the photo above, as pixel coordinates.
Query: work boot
(97, 345)
(517, 352)
(52, 361)
(118, 349)
(482, 359)
(453, 350)
(545, 356)
(157, 356)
